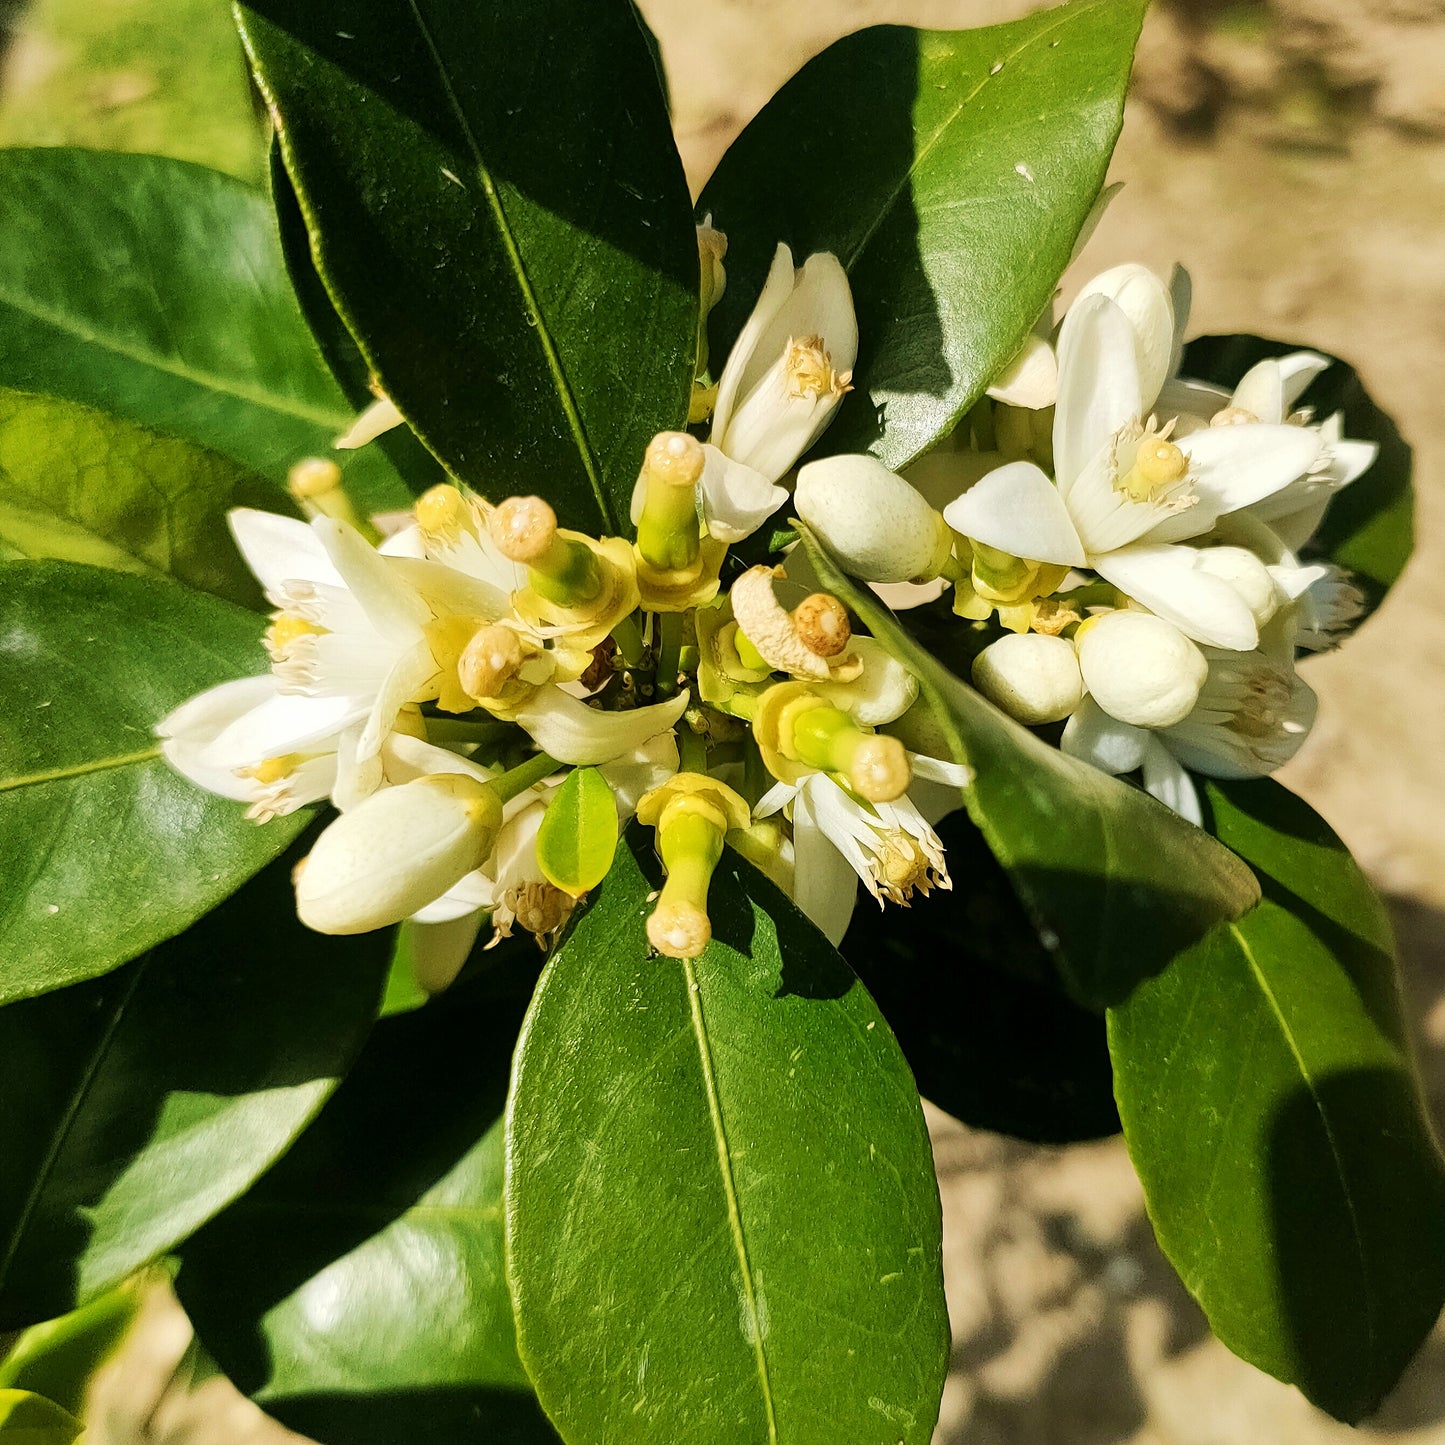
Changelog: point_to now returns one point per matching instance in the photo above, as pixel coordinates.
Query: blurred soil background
(1291, 153)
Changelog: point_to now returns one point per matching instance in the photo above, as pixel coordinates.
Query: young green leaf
(27, 1419)
(357, 1291)
(722, 1220)
(155, 289)
(1116, 883)
(104, 850)
(502, 221)
(951, 172)
(1272, 1109)
(578, 835)
(139, 1104)
(82, 485)
(1369, 527)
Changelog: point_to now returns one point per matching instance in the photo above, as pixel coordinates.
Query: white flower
(891, 846)
(1032, 677)
(877, 525)
(788, 370)
(1126, 491)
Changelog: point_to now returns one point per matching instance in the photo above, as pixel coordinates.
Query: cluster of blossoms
(440, 683)
(1120, 544)
(1123, 542)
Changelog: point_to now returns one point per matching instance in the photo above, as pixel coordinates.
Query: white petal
(572, 732)
(640, 771)
(1166, 780)
(200, 720)
(1350, 458)
(1031, 379)
(883, 692)
(280, 549)
(446, 589)
(440, 946)
(1098, 384)
(903, 596)
(773, 425)
(1234, 466)
(1018, 510)
(394, 853)
(381, 416)
(777, 797)
(1146, 301)
(391, 606)
(736, 500)
(406, 541)
(825, 884)
(1164, 579)
(407, 681)
(279, 725)
(1104, 742)
(1297, 370)
(744, 364)
(1181, 298)
(948, 472)
(940, 770)
(1261, 392)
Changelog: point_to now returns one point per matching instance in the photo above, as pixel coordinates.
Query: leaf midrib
(1065, 14)
(1287, 1033)
(729, 1183)
(80, 770)
(255, 396)
(542, 330)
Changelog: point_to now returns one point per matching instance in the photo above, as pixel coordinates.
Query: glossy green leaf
(138, 1105)
(1369, 527)
(1116, 883)
(971, 996)
(27, 1419)
(85, 486)
(56, 1358)
(155, 289)
(357, 1292)
(514, 255)
(1272, 1109)
(401, 445)
(105, 851)
(951, 172)
(578, 835)
(722, 1220)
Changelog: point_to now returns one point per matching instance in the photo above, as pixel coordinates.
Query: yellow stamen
(809, 370)
(1158, 465)
(443, 514)
(287, 628)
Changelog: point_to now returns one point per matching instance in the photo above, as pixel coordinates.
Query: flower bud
(1145, 300)
(876, 524)
(1246, 574)
(1032, 677)
(1140, 669)
(395, 852)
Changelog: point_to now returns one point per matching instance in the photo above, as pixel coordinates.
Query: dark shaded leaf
(951, 172)
(722, 1220)
(1272, 1109)
(501, 218)
(138, 1105)
(357, 1292)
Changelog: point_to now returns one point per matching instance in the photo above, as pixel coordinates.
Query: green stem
(628, 637)
(669, 655)
(524, 775)
(692, 749)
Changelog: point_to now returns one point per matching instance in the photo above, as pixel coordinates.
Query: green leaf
(1116, 883)
(722, 1219)
(1369, 527)
(104, 850)
(27, 1419)
(971, 996)
(1272, 1109)
(85, 486)
(400, 445)
(139, 1104)
(357, 1292)
(515, 258)
(951, 172)
(578, 835)
(155, 289)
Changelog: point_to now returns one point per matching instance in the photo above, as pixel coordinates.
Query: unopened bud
(1246, 574)
(1140, 669)
(1032, 677)
(1145, 300)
